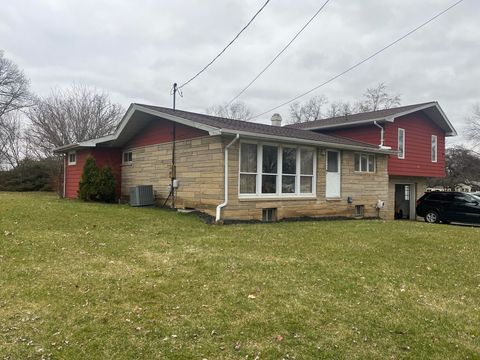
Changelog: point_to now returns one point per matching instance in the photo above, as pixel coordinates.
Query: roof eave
(307, 142)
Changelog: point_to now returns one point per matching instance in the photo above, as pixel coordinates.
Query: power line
(225, 48)
(280, 53)
(359, 63)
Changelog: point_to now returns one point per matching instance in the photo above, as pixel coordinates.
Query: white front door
(333, 174)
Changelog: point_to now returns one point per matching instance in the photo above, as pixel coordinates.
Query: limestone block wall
(364, 188)
(199, 169)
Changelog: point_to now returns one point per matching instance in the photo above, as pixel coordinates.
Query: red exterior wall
(370, 134)
(157, 132)
(73, 173)
(103, 156)
(418, 131)
(160, 131)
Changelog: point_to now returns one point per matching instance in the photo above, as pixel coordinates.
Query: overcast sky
(135, 50)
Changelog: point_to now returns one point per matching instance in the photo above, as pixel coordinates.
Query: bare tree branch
(237, 110)
(68, 116)
(378, 98)
(309, 111)
(474, 125)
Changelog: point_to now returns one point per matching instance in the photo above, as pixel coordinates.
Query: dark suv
(446, 206)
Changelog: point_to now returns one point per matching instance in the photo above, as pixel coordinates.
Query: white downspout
(64, 175)
(381, 136)
(222, 205)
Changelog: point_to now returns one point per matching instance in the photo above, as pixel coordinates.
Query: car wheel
(432, 217)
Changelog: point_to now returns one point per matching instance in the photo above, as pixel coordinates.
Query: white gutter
(222, 205)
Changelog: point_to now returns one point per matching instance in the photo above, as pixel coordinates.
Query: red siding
(418, 132)
(370, 134)
(73, 173)
(103, 156)
(160, 131)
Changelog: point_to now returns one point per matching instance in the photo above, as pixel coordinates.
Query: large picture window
(272, 170)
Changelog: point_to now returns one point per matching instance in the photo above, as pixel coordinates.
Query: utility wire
(225, 48)
(360, 62)
(280, 53)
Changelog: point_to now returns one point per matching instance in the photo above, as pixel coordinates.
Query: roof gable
(431, 109)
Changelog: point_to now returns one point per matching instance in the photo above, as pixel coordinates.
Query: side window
(72, 158)
(401, 143)
(434, 148)
(127, 157)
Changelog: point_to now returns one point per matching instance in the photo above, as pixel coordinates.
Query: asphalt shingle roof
(352, 118)
(239, 125)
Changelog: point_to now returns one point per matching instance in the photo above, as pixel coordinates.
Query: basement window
(359, 210)
(269, 214)
(127, 157)
(72, 158)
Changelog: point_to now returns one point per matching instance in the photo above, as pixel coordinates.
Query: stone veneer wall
(200, 173)
(199, 169)
(364, 188)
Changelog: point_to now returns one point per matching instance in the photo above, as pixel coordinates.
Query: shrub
(106, 185)
(87, 187)
(96, 184)
(31, 175)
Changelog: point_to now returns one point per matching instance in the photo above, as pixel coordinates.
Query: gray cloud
(136, 50)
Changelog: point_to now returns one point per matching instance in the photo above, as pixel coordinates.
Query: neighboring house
(242, 170)
(417, 135)
(272, 171)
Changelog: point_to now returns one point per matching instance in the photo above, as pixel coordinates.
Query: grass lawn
(93, 281)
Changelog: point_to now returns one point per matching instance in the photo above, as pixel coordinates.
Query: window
(364, 162)
(407, 192)
(248, 169)
(401, 143)
(127, 157)
(276, 170)
(72, 158)
(434, 148)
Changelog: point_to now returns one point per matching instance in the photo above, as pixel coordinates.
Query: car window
(440, 196)
(465, 198)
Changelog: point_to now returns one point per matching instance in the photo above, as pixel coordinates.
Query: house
(417, 135)
(242, 170)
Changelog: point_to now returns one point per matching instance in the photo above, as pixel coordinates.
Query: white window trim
(68, 158)
(123, 157)
(368, 166)
(400, 130)
(434, 158)
(279, 174)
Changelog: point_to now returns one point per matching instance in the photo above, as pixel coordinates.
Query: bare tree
(339, 108)
(378, 98)
(68, 116)
(309, 111)
(14, 87)
(12, 142)
(474, 125)
(14, 97)
(237, 110)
